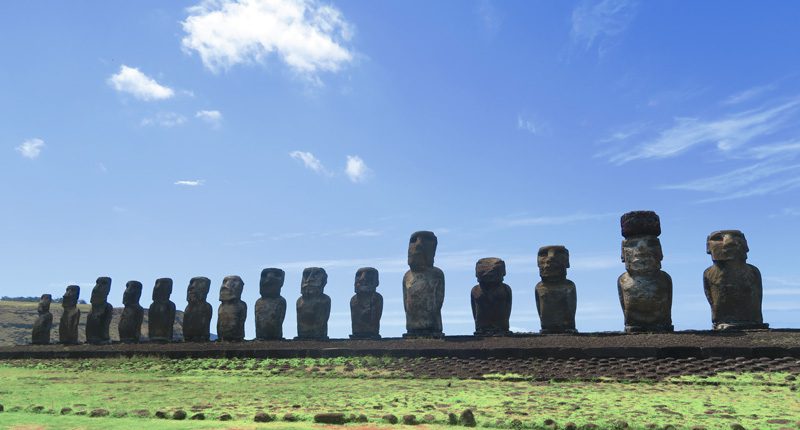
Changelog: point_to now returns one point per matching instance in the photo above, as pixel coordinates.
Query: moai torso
(232, 312)
(366, 305)
(98, 320)
(197, 315)
(71, 317)
(44, 322)
(161, 315)
(491, 298)
(313, 306)
(130, 323)
(271, 307)
(556, 296)
(423, 288)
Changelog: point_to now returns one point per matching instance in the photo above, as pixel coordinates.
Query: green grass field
(34, 392)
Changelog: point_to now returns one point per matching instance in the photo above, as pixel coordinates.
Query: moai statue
(423, 288)
(44, 322)
(197, 315)
(232, 311)
(313, 306)
(366, 306)
(161, 315)
(733, 287)
(556, 297)
(645, 291)
(491, 298)
(271, 307)
(98, 320)
(130, 323)
(68, 326)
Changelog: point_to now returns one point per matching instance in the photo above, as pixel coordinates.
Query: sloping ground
(17, 318)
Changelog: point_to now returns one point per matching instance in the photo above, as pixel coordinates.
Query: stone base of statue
(492, 333)
(654, 328)
(265, 339)
(99, 342)
(311, 338)
(423, 334)
(128, 340)
(197, 339)
(365, 336)
(558, 331)
(735, 326)
(159, 340)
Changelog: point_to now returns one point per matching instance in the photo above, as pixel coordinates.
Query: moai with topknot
(161, 315)
(197, 315)
(733, 287)
(98, 321)
(44, 321)
(232, 311)
(423, 288)
(313, 306)
(130, 323)
(645, 291)
(491, 298)
(556, 296)
(366, 305)
(271, 307)
(71, 317)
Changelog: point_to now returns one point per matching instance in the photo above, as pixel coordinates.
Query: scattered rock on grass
(225, 417)
(161, 414)
(737, 426)
(409, 420)
(452, 419)
(36, 409)
(141, 413)
(99, 413)
(65, 411)
(389, 418)
(428, 418)
(119, 414)
(670, 427)
(1, 408)
(698, 428)
(262, 417)
(80, 413)
(467, 418)
(361, 418)
(289, 417)
(179, 415)
(590, 426)
(570, 426)
(198, 416)
(330, 418)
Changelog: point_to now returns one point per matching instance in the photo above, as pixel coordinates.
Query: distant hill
(17, 318)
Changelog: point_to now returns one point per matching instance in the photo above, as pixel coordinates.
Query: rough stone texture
(179, 415)
(313, 306)
(263, 417)
(98, 321)
(99, 413)
(366, 306)
(161, 314)
(197, 315)
(556, 296)
(389, 418)
(232, 311)
(423, 288)
(467, 418)
(330, 418)
(70, 318)
(271, 307)
(733, 287)
(44, 322)
(409, 420)
(491, 298)
(645, 291)
(130, 323)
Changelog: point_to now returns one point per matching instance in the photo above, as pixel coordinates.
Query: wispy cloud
(733, 180)
(31, 148)
(132, 81)
(749, 94)
(529, 124)
(600, 23)
(787, 212)
(191, 182)
(489, 17)
(552, 220)
(365, 233)
(164, 119)
(356, 169)
(213, 117)
(310, 162)
(307, 36)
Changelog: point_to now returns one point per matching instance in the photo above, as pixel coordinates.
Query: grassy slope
(244, 387)
(17, 318)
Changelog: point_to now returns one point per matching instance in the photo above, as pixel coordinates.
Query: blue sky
(149, 139)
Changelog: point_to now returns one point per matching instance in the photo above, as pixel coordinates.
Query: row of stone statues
(732, 287)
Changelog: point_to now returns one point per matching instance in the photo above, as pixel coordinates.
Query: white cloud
(356, 169)
(310, 162)
(191, 183)
(31, 148)
(527, 125)
(307, 36)
(213, 117)
(597, 23)
(165, 119)
(130, 80)
(552, 220)
(748, 94)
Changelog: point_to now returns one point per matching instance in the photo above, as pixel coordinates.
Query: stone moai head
(70, 299)
(44, 304)
(314, 281)
(162, 290)
(727, 245)
(132, 294)
(553, 262)
(641, 249)
(271, 282)
(231, 289)
(490, 271)
(100, 291)
(197, 292)
(422, 249)
(366, 280)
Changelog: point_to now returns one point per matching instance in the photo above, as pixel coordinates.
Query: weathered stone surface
(197, 315)
(556, 296)
(423, 288)
(232, 311)
(645, 291)
(271, 307)
(366, 306)
(467, 418)
(330, 418)
(390, 418)
(410, 420)
(313, 306)
(161, 315)
(44, 322)
(491, 298)
(733, 287)
(98, 320)
(130, 323)
(179, 415)
(68, 326)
